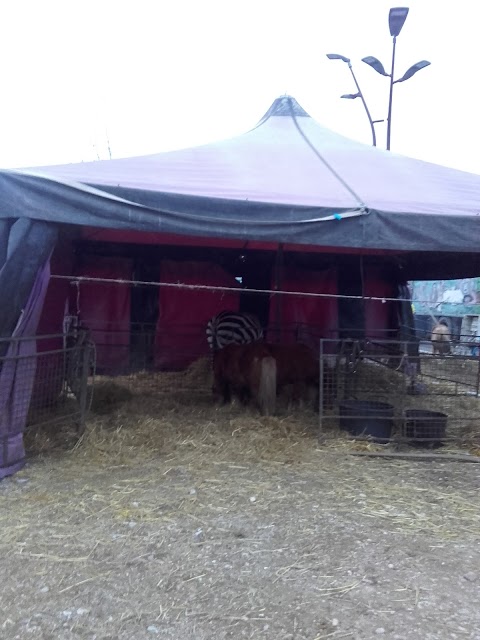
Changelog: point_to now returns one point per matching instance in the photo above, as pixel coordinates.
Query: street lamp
(359, 94)
(396, 20)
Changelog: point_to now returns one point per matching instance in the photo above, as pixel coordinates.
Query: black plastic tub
(365, 418)
(424, 427)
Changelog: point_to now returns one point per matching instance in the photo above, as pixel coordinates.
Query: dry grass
(203, 521)
(139, 415)
(146, 420)
(203, 443)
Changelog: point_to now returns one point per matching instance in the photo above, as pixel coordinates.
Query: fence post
(85, 359)
(320, 393)
(478, 374)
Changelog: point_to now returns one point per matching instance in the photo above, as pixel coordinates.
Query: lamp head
(396, 20)
(413, 70)
(337, 56)
(375, 64)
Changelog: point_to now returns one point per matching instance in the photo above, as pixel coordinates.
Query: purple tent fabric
(17, 377)
(274, 163)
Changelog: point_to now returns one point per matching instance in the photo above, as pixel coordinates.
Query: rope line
(77, 280)
(361, 204)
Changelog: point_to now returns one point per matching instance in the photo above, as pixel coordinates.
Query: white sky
(165, 74)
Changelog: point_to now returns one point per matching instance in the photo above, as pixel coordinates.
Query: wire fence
(388, 391)
(46, 380)
(379, 388)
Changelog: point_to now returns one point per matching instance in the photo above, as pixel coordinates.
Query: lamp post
(396, 20)
(359, 94)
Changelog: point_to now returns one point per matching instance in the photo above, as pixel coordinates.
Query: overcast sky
(159, 75)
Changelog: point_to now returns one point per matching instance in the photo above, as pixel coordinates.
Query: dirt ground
(177, 519)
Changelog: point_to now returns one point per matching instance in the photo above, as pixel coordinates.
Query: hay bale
(199, 373)
(107, 395)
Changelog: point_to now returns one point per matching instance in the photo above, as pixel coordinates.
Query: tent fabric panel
(56, 300)
(138, 237)
(17, 376)
(105, 310)
(273, 163)
(44, 199)
(5, 225)
(49, 379)
(233, 169)
(185, 215)
(302, 318)
(149, 238)
(379, 315)
(183, 313)
(28, 245)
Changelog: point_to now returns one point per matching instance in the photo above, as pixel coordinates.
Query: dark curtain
(17, 376)
(25, 249)
(25, 246)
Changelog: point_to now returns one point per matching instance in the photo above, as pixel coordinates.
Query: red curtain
(303, 318)
(105, 310)
(378, 315)
(184, 313)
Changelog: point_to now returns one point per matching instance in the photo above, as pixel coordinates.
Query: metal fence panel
(386, 391)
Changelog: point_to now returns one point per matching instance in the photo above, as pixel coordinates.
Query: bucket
(362, 417)
(427, 426)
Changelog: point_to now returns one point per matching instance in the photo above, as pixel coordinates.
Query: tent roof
(277, 163)
(287, 180)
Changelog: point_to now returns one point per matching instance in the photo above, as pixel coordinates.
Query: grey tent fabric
(17, 377)
(79, 204)
(27, 245)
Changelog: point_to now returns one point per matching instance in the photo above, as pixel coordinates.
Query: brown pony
(440, 339)
(248, 371)
(297, 366)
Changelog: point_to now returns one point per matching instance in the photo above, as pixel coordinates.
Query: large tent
(288, 185)
(289, 180)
